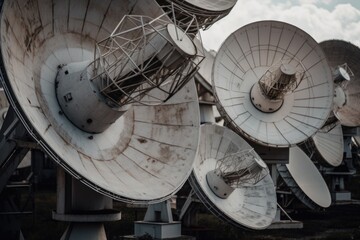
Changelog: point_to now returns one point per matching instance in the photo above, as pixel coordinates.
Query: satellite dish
(305, 180)
(244, 194)
(207, 12)
(273, 83)
(143, 156)
(344, 59)
(327, 146)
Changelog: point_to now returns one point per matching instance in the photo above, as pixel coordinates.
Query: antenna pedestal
(85, 209)
(158, 223)
(279, 223)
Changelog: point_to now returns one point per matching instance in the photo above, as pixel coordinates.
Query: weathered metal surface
(248, 206)
(206, 11)
(147, 154)
(241, 61)
(326, 146)
(212, 5)
(305, 180)
(337, 53)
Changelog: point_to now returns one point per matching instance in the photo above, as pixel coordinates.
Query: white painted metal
(357, 140)
(158, 222)
(308, 177)
(147, 154)
(206, 11)
(212, 5)
(243, 59)
(337, 53)
(242, 168)
(247, 206)
(26, 162)
(330, 145)
(141, 54)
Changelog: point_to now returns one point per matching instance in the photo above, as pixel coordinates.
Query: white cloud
(315, 1)
(342, 22)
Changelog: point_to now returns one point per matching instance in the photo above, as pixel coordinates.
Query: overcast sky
(322, 19)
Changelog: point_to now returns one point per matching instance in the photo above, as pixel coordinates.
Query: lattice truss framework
(139, 56)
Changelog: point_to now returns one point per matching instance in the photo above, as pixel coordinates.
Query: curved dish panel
(330, 145)
(305, 180)
(252, 207)
(144, 156)
(337, 53)
(245, 56)
(212, 5)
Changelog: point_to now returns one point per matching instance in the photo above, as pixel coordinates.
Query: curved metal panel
(330, 145)
(337, 53)
(144, 156)
(245, 56)
(251, 207)
(305, 180)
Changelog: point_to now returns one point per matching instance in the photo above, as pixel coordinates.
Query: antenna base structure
(158, 223)
(86, 217)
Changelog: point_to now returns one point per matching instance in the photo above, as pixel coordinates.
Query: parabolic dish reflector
(146, 154)
(337, 53)
(250, 54)
(253, 206)
(305, 180)
(330, 145)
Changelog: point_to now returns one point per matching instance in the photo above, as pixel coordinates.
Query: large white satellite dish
(338, 53)
(252, 203)
(273, 83)
(305, 180)
(143, 156)
(327, 145)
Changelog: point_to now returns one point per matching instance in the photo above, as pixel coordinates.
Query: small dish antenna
(108, 96)
(326, 146)
(272, 83)
(305, 180)
(231, 180)
(344, 59)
